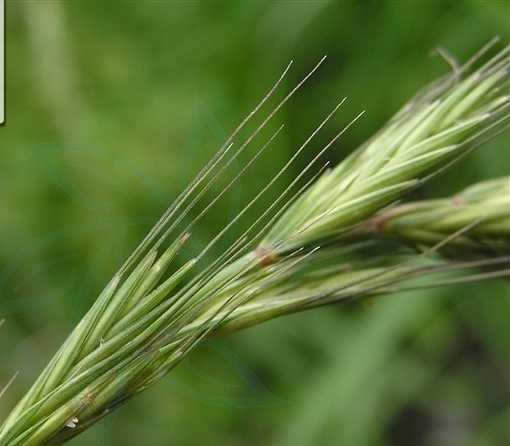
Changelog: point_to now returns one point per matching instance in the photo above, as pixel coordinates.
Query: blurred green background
(112, 107)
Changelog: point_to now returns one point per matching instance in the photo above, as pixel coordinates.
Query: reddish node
(264, 255)
(457, 201)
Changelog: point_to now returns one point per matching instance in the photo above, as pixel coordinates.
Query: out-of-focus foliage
(112, 107)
